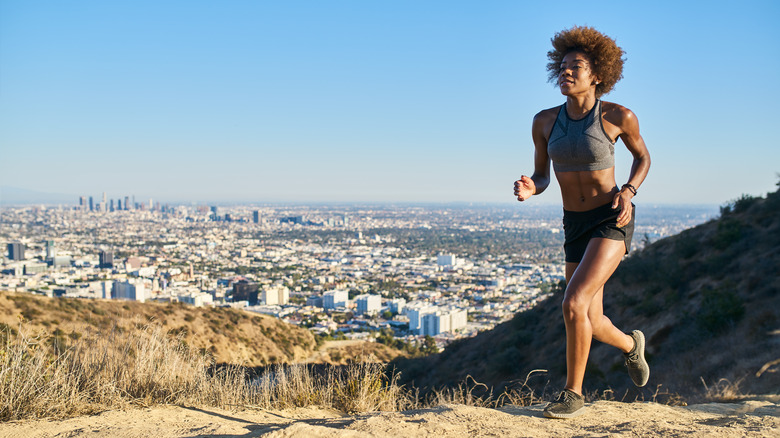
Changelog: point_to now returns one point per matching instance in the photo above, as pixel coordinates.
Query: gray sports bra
(582, 144)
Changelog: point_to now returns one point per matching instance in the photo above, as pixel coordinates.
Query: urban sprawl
(445, 271)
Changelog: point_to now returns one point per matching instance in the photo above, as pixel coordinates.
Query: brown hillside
(707, 299)
(231, 336)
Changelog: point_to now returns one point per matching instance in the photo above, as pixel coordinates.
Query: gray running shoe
(569, 405)
(635, 360)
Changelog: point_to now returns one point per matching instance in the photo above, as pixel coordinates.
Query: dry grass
(40, 377)
(473, 393)
(723, 390)
(54, 376)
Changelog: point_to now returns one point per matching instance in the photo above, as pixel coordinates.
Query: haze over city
(367, 101)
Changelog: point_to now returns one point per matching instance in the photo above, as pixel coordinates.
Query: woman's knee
(574, 308)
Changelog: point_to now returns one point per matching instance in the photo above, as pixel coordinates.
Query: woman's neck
(578, 106)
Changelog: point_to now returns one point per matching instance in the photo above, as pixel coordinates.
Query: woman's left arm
(629, 127)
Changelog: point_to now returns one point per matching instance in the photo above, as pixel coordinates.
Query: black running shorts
(581, 226)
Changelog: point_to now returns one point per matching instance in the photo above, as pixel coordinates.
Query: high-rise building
(442, 321)
(82, 203)
(129, 290)
(434, 323)
(105, 289)
(368, 304)
(275, 295)
(51, 250)
(256, 216)
(396, 305)
(447, 260)
(16, 251)
(127, 203)
(335, 298)
(415, 313)
(106, 259)
(91, 204)
(244, 290)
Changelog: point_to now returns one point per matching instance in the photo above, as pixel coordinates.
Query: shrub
(729, 231)
(720, 308)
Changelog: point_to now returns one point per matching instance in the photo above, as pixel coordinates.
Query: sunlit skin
(583, 191)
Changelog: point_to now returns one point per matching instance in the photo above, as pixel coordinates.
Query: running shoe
(635, 360)
(569, 405)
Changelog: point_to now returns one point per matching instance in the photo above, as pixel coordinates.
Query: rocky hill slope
(708, 301)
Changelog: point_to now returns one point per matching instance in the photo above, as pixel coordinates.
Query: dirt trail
(753, 418)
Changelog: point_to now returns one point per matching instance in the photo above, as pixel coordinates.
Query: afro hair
(606, 58)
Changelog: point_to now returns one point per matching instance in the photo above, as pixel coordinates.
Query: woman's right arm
(526, 186)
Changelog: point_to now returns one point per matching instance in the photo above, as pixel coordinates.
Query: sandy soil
(753, 418)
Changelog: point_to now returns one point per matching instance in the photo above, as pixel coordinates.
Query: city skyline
(352, 102)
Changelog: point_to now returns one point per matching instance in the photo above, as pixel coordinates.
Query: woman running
(598, 216)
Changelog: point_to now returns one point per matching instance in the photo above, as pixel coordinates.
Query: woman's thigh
(588, 277)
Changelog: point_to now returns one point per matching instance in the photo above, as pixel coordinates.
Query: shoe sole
(557, 416)
(642, 361)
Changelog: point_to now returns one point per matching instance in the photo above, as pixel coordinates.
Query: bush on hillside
(720, 309)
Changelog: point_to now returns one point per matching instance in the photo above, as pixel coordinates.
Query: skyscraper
(256, 216)
(91, 204)
(244, 290)
(106, 259)
(51, 250)
(16, 251)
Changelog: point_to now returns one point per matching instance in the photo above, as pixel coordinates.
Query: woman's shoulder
(616, 114)
(547, 115)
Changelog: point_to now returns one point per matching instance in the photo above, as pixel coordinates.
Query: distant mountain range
(19, 196)
(707, 299)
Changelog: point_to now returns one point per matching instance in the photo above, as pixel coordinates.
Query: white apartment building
(335, 298)
(415, 313)
(197, 299)
(446, 260)
(129, 290)
(432, 324)
(368, 304)
(459, 318)
(441, 321)
(396, 305)
(275, 296)
(104, 289)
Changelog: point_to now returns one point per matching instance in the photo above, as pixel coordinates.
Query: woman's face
(576, 76)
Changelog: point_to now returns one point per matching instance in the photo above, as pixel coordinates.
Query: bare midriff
(586, 190)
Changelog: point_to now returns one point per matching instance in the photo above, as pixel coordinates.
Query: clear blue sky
(377, 101)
